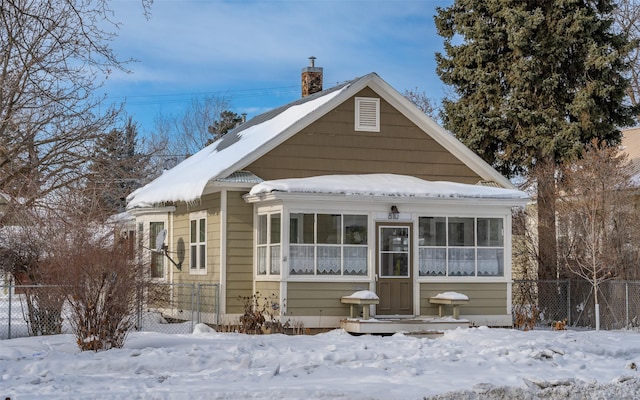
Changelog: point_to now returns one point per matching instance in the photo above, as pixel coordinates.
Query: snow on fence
(32, 310)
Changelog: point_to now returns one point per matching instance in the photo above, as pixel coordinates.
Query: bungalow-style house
(346, 189)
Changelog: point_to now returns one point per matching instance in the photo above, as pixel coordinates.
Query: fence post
(193, 296)
(626, 303)
(199, 302)
(569, 302)
(9, 325)
(217, 300)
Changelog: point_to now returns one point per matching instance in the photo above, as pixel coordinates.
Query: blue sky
(253, 51)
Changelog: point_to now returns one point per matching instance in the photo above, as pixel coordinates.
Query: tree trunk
(547, 239)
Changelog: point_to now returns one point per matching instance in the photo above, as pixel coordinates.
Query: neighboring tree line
(67, 162)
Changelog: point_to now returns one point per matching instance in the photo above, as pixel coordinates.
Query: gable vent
(367, 114)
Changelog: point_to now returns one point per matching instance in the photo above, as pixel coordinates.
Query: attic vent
(367, 114)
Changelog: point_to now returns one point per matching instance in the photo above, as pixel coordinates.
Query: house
(346, 189)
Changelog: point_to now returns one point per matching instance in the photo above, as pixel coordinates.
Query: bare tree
(598, 223)
(426, 104)
(55, 54)
(199, 124)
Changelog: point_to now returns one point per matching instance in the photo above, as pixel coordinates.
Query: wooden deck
(389, 326)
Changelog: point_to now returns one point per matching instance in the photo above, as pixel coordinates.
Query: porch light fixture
(394, 213)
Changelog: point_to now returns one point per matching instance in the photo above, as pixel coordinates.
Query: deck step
(418, 326)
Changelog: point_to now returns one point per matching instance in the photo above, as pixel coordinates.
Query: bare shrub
(25, 255)
(260, 315)
(101, 295)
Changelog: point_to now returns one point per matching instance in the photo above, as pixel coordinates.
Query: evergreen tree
(225, 122)
(535, 81)
(117, 168)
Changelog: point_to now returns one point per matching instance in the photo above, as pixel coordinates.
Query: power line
(182, 97)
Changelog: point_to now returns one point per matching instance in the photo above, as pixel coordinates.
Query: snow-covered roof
(384, 185)
(187, 180)
(239, 148)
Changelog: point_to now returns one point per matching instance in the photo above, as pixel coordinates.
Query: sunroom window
(327, 244)
(461, 246)
(268, 244)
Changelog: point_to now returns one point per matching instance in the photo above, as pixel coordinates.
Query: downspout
(222, 293)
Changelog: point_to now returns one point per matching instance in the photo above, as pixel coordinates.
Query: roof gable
(250, 141)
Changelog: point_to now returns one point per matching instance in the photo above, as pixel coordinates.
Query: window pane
(301, 228)
(194, 231)
(262, 260)
(301, 260)
(157, 259)
(490, 262)
(355, 229)
(461, 232)
(490, 232)
(203, 256)
(355, 260)
(328, 260)
(275, 228)
(329, 229)
(193, 257)
(432, 231)
(203, 230)
(394, 264)
(433, 262)
(262, 229)
(275, 260)
(157, 265)
(395, 239)
(462, 262)
(154, 229)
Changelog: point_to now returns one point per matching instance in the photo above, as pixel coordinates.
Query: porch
(414, 326)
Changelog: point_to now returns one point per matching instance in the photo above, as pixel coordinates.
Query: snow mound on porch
(451, 296)
(384, 185)
(363, 295)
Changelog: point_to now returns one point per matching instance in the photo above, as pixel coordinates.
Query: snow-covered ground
(477, 363)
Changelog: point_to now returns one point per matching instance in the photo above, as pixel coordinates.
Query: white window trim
(146, 252)
(197, 216)
(367, 114)
(268, 275)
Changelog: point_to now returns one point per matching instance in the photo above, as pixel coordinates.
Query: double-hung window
(268, 244)
(461, 246)
(327, 244)
(198, 243)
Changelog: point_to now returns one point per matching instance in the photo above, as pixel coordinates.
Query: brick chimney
(311, 78)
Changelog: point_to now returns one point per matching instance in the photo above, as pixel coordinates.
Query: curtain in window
(301, 260)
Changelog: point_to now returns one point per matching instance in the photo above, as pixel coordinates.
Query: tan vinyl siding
(210, 203)
(332, 146)
(320, 298)
(268, 289)
(239, 251)
(484, 298)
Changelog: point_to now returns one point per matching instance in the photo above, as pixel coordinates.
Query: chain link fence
(572, 301)
(33, 310)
